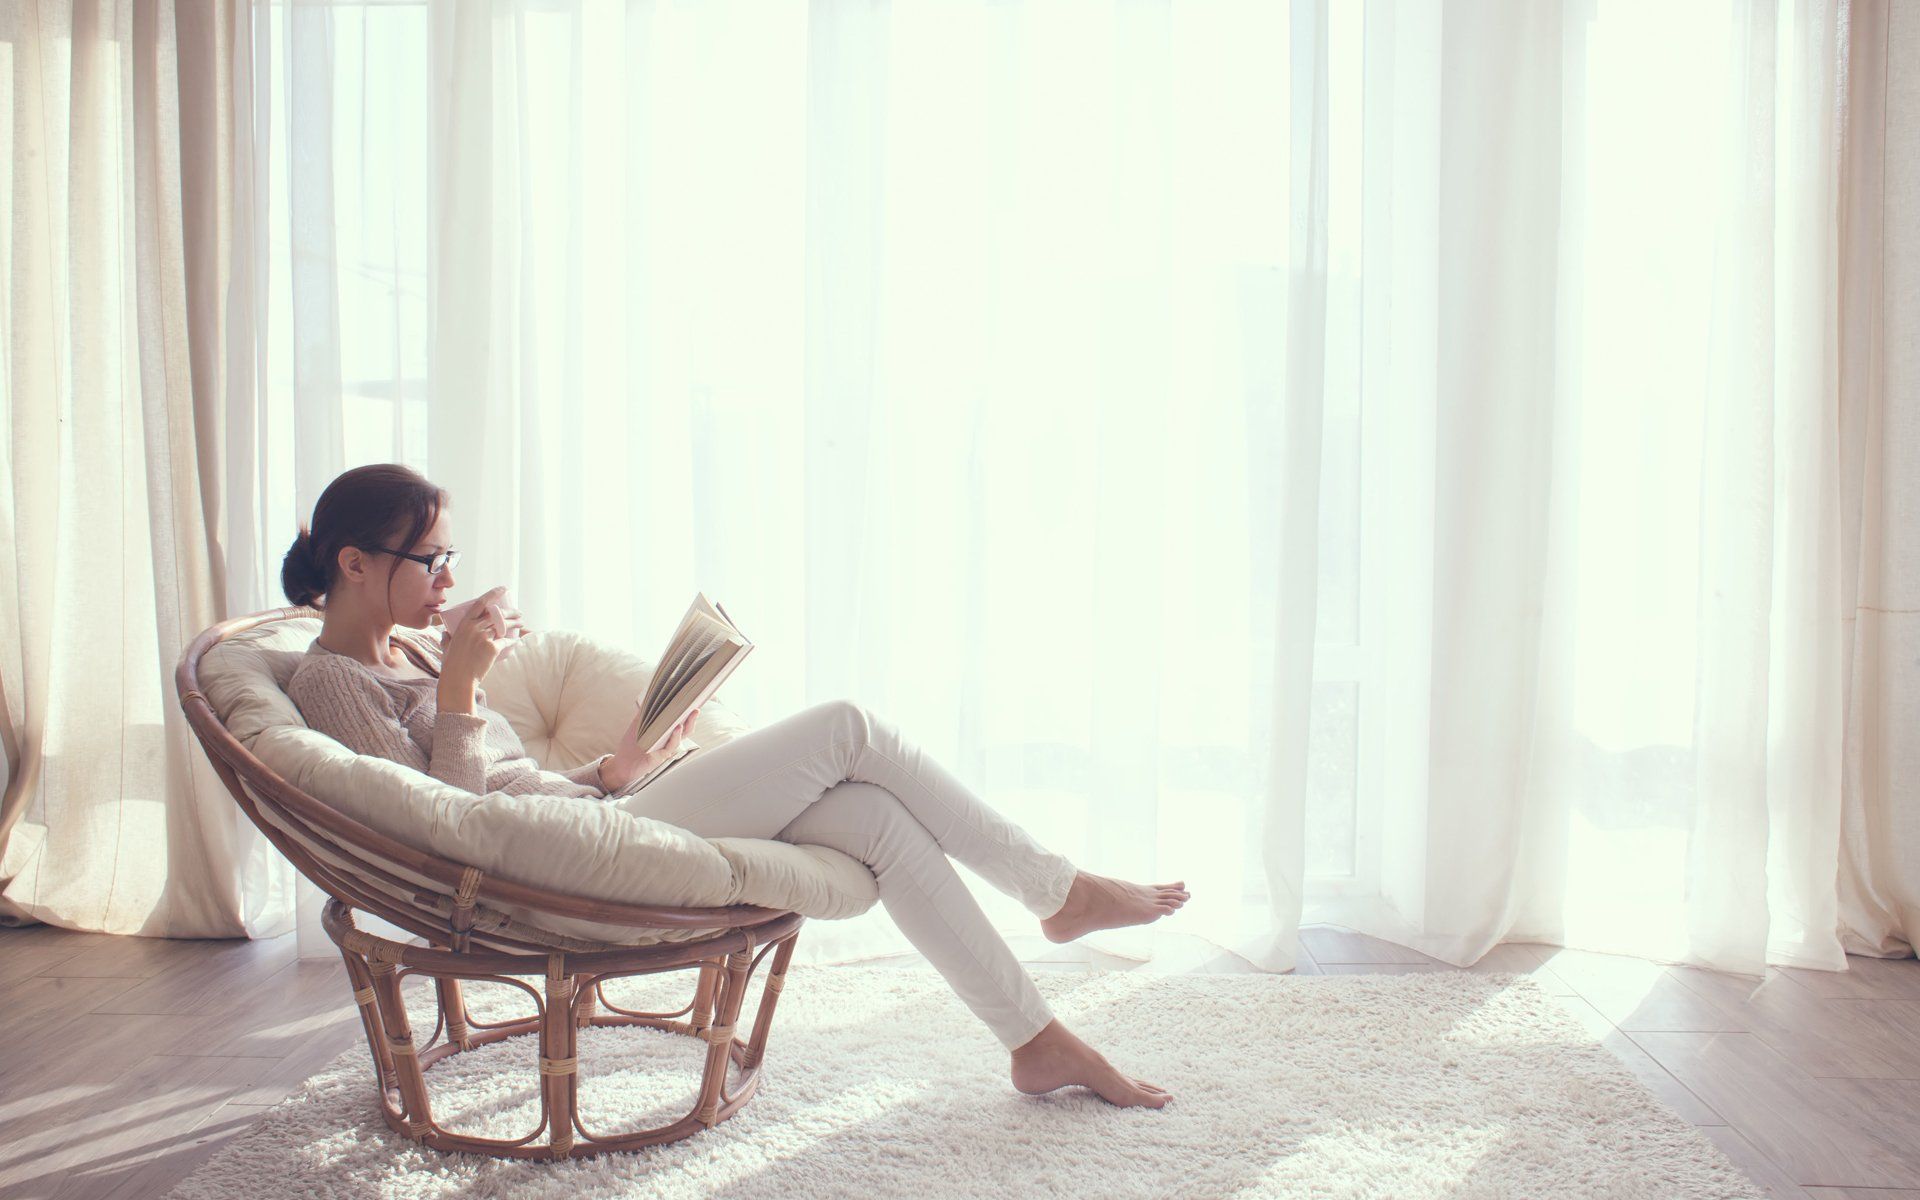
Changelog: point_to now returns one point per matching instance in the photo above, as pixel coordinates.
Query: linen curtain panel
(1437, 469)
(124, 167)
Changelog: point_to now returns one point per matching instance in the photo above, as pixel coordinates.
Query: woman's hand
(470, 652)
(630, 762)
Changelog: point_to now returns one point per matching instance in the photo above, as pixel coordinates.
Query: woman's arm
(587, 774)
(339, 700)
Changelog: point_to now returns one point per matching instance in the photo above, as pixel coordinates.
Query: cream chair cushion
(569, 699)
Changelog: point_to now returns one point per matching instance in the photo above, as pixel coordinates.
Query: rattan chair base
(725, 962)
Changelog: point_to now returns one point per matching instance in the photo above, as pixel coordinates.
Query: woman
(832, 775)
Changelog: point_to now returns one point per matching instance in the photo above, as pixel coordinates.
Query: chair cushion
(569, 699)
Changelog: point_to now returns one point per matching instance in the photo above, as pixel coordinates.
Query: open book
(699, 656)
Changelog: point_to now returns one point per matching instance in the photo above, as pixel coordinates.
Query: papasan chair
(576, 891)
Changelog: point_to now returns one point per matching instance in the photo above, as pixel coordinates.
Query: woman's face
(414, 594)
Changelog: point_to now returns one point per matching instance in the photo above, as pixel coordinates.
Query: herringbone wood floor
(125, 1062)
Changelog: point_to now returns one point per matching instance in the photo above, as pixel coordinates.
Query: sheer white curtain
(1435, 468)
(1595, 319)
(127, 365)
(807, 307)
(1879, 449)
(1381, 463)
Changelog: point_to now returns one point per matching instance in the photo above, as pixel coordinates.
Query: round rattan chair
(478, 926)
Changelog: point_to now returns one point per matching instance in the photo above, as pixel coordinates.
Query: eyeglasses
(435, 563)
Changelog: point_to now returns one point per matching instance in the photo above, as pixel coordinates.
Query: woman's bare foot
(1098, 902)
(1055, 1058)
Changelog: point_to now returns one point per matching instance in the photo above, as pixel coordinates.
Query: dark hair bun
(300, 575)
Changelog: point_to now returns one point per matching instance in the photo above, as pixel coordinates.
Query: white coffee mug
(448, 619)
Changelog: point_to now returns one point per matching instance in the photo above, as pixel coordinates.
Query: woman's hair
(381, 505)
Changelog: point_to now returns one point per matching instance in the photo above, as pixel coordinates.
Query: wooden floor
(125, 1062)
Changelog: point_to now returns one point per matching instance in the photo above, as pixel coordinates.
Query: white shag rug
(880, 1083)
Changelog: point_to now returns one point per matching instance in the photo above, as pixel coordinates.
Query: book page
(675, 646)
(709, 621)
(705, 648)
(697, 646)
(696, 689)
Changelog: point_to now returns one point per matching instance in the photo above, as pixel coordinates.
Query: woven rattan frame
(469, 939)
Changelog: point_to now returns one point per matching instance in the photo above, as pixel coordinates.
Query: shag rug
(880, 1083)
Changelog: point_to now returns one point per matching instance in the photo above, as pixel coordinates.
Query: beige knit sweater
(400, 720)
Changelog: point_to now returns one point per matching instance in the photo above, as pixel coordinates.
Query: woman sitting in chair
(832, 775)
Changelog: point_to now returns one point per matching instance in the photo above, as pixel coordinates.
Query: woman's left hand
(630, 762)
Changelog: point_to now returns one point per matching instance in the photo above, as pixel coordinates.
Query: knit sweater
(400, 720)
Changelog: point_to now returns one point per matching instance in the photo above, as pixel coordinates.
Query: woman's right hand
(470, 651)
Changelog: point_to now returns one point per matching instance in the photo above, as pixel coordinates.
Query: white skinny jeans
(837, 775)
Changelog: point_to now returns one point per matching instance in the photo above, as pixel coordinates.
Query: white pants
(837, 775)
